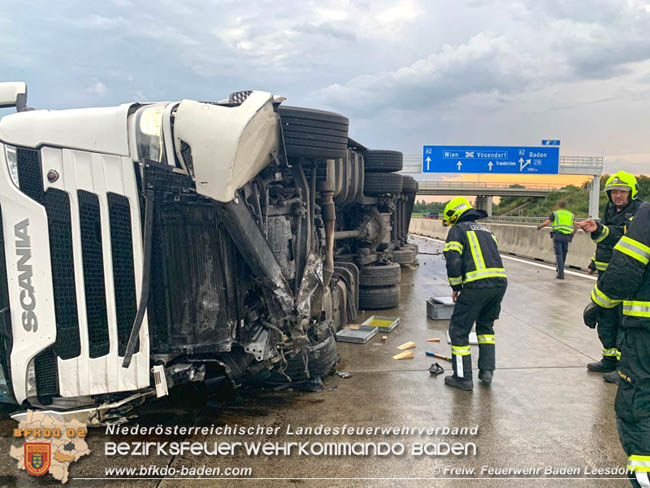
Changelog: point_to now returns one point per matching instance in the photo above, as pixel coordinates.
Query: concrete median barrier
(520, 240)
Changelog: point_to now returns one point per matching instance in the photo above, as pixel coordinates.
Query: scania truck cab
(146, 246)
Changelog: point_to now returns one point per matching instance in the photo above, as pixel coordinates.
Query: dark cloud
(406, 72)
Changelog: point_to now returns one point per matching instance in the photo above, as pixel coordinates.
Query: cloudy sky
(406, 73)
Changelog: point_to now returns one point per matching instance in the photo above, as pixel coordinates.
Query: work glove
(591, 315)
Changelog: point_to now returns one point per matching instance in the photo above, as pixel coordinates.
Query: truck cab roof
(102, 129)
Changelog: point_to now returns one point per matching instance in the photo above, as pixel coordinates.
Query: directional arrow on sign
(459, 165)
(490, 164)
(522, 165)
(428, 160)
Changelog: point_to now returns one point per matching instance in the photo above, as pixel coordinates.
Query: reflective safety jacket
(627, 279)
(562, 222)
(472, 255)
(611, 228)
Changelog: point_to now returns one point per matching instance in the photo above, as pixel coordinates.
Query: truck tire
(409, 185)
(383, 161)
(321, 362)
(404, 256)
(413, 247)
(379, 298)
(313, 134)
(378, 275)
(379, 183)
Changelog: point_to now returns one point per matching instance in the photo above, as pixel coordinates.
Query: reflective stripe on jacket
(472, 256)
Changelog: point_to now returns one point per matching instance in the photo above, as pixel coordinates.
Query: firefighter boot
(485, 375)
(486, 358)
(462, 377)
(611, 377)
(605, 365)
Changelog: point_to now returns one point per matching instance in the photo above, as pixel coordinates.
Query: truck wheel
(321, 361)
(383, 161)
(413, 247)
(313, 134)
(389, 274)
(379, 183)
(409, 185)
(379, 298)
(404, 256)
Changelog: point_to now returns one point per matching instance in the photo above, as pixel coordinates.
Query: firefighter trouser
(480, 305)
(608, 329)
(633, 402)
(561, 248)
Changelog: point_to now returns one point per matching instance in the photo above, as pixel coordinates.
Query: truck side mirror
(13, 94)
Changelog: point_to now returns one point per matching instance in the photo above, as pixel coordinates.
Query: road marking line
(532, 263)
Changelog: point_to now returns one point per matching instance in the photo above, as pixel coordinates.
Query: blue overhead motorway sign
(491, 159)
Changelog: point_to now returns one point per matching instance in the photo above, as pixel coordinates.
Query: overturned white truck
(147, 246)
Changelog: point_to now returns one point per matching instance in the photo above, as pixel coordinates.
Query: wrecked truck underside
(240, 259)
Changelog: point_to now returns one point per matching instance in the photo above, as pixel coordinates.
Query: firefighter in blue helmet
(626, 283)
(478, 280)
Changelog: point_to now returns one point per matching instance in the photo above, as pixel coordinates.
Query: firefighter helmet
(622, 180)
(454, 209)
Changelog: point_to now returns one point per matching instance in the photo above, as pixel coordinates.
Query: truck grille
(57, 206)
(92, 226)
(123, 276)
(93, 262)
(30, 174)
(45, 371)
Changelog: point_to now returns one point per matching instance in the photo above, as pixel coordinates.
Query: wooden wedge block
(353, 326)
(406, 345)
(404, 355)
(437, 339)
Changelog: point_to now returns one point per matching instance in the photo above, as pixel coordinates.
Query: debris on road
(435, 339)
(343, 374)
(404, 355)
(435, 369)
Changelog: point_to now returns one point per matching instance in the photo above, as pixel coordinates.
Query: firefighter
(622, 193)
(478, 280)
(562, 223)
(627, 281)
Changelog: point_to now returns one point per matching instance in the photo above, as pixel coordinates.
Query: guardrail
(515, 220)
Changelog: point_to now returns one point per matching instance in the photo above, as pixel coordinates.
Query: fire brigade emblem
(37, 457)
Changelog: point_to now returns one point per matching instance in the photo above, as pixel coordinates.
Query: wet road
(543, 409)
